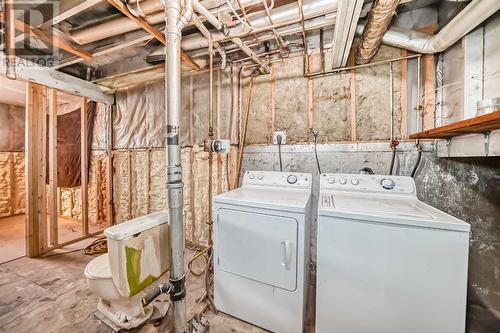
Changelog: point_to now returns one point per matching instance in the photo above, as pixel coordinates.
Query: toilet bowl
(138, 254)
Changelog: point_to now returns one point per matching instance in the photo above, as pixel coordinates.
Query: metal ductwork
(311, 8)
(151, 10)
(470, 17)
(379, 19)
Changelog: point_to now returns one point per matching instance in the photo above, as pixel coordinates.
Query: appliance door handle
(286, 247)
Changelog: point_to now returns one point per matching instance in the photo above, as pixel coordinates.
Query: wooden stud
(84, 167)
(192, 199)
(429, 82)
(109, 166)
(35, 150)
(12, 185)
(129, 187)
(191, 115)
(48, 37)
(243, 135)
(148, 180)
(52, 102)
(404, 95)
(310, 99)
(151, 30)
(354, 121)
(273, 100)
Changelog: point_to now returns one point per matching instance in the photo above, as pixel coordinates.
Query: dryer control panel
(276, 178)
(367, 183)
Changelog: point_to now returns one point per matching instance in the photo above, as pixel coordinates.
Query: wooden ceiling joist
(50, 38)
(151, 30)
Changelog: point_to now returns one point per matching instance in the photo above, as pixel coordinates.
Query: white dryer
(261, 239)
(387, 262)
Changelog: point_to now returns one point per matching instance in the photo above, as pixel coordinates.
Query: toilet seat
(99, 268)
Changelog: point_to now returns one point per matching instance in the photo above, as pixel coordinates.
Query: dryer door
(258, 246)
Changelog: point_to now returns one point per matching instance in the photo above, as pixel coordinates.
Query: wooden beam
(29, 71)
(429, 80)
(151, 30)
(84, 167)
(49, 38)
(35, 150)
(354, 119)
(52, 103)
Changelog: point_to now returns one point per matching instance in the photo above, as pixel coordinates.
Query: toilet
(138, 254)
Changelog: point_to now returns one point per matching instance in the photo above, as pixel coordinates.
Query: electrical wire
(419, 158)
(98, 246)
(315, 140)
(278, 140)
(239, 17)
(393, 158)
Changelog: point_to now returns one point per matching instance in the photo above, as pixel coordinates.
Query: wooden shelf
(480, 124)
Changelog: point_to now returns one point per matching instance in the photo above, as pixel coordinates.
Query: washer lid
(390, 209)
(289, 199)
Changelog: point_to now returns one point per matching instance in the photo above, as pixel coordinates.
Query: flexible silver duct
(470, 17)
(379, 18)
(312, 8)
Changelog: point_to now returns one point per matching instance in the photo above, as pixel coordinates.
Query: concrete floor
(12, 235)
(50, 295)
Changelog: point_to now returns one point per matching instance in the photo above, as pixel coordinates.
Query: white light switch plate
(283, 136)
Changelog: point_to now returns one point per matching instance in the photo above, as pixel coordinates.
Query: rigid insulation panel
(373, 94)
(200, 107)
(291, 101)
(332, 107)
(259, 128)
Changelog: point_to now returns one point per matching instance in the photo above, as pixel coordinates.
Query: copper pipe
(10, 40)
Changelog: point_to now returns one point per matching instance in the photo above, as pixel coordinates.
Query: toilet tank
(138, 252)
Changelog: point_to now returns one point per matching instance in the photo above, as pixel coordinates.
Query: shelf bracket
(487, 143)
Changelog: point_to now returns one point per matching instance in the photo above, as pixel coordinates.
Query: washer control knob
(291, 179)
(251, 177)
(355, 181)
(331, 180)
(260, 177)
(343, 181)
(388, 183)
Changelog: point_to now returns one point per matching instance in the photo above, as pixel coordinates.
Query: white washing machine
(261, 238)
(387, 262)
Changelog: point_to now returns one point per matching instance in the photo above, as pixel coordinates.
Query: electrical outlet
(283, 137)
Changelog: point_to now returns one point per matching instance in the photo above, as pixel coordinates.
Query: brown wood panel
(481, 124)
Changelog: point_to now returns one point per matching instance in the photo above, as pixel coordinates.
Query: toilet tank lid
(135, 226)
